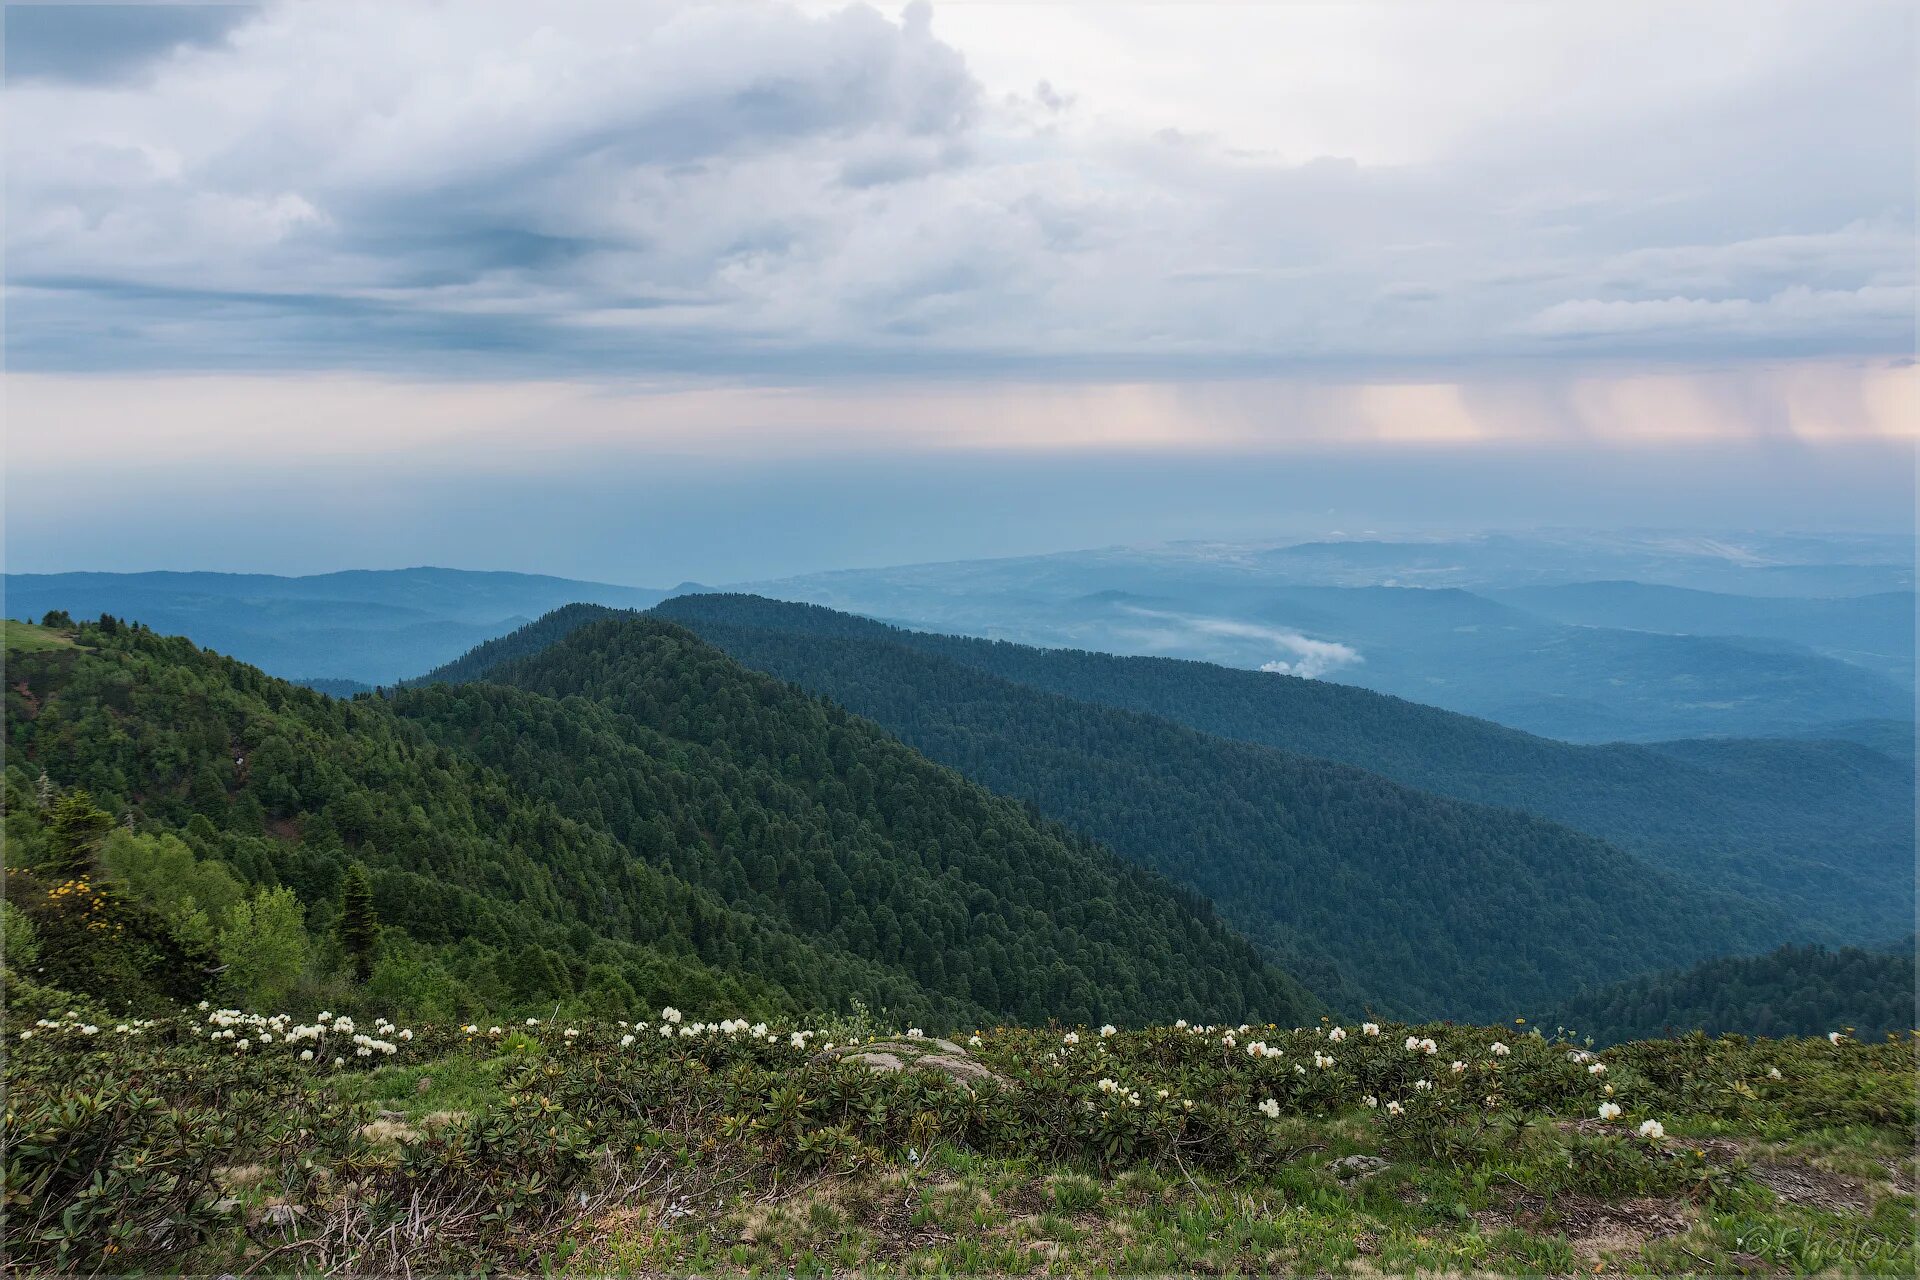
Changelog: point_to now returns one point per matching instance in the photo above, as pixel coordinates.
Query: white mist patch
(1306, 656)
(1313, 658)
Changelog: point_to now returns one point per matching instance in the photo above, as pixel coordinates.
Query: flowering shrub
(123, 1134)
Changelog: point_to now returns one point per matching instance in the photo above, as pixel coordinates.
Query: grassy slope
(25, 637)
(726, 1155)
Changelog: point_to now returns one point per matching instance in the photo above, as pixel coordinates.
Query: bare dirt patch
(1596, 1229)
(1816, 1188)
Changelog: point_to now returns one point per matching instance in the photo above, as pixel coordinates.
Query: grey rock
(1355, 1167)
(912, 1053)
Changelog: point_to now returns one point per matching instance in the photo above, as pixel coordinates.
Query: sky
(661, 291)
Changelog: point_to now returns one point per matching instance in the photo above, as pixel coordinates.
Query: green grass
(25, 637)
(452, 1084)
(961, 1213)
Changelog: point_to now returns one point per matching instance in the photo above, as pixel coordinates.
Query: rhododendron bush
(124, 1135)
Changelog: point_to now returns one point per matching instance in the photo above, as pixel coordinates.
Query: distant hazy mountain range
(338, 631)
(1585, 637)
(1578, 636)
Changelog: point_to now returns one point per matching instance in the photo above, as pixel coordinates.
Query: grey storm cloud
(701, 187)
(106, 43)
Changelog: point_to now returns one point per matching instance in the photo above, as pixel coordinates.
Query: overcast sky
(568, 241)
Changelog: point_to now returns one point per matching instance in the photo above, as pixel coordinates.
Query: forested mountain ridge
(1793, 991)
(218, 771)
(1376, 895)
(490, 899)
(521, 642)
(1825, 828)
(493, 894)
(859, 838)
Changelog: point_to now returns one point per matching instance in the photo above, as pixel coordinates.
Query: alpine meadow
(932, 637)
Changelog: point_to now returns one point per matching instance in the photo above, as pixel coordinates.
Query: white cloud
(1309, 657)
(1164, 190)
(1795, 310)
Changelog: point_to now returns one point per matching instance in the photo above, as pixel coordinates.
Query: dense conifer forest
(1792, 991)
(1377, 895)
(708, 834)
(1825, 829)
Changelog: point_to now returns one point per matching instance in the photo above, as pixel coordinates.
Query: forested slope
(1374, 894)
(1793, 991)
(1822, 828)
(498, 885)
(819, 820)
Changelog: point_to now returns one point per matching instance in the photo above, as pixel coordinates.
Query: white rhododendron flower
(1652, 1129)
(1394, 1109)
(1498, 1050)
(1337, 1034)
(1609, 1111)
(1457, 1067)
(1773, 1073)
(1835, 1037)
(1270, 1109)
(1369, 1028)
(1108, 1030)
(1597, 1069)
(669, 1014)
(1072, 1037)
(1369, 1101)
(974, 1041)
